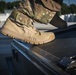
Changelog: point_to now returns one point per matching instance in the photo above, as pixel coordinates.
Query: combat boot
(20, 26)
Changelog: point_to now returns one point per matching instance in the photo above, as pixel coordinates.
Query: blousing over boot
(20, 23)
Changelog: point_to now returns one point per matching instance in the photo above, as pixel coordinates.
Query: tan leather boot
(20, 26)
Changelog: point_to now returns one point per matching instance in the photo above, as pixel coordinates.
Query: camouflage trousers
(40, 10)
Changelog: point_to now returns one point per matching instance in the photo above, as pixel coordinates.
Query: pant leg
(59, 1)
(36, 11)
(53, 5)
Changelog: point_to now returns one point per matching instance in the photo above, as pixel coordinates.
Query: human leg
(20, 26)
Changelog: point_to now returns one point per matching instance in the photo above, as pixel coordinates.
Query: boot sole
(11, 34)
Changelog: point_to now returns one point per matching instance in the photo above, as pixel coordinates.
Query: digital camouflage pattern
(37, 9)
(20, 18)
(52, 4)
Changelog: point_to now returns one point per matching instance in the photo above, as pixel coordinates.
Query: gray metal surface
(43, 60)
(50, 53)
(63, 45)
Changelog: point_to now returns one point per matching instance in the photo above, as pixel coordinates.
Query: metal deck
(63, 46)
